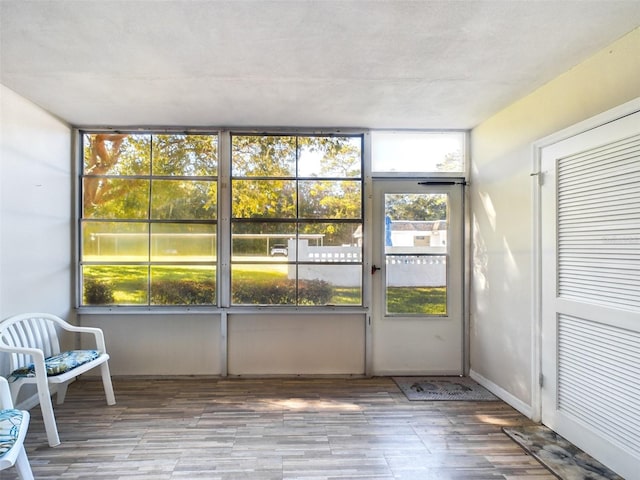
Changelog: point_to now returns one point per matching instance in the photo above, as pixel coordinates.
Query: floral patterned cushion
(60, 363)
(10, 421)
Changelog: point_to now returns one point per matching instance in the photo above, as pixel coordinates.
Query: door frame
(375, 310)
(537, 176)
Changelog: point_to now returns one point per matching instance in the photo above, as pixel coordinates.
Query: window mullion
(224, 219)
(149, 235)
(297, 230)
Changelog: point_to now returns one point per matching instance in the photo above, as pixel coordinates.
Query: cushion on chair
(10, 421)
(58, 364)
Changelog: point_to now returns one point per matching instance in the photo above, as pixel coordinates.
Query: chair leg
(106, 382)
(61, 392)
(48, 417)
(14, 388)
(22, 465)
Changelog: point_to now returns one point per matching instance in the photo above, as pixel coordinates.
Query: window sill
(245, 309)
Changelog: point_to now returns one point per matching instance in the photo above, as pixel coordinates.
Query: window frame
(298, 219)
(148, 220)
(223, 241)
(424, 173)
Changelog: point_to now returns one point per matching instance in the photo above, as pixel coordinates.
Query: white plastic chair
(30, 338)
(16, 455)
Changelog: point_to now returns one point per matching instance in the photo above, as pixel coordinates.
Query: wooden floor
(237, 429)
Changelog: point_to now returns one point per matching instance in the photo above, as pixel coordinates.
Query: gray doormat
(443, 388)
(560, 457)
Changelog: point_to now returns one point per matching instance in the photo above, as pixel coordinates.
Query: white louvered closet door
(590, 201)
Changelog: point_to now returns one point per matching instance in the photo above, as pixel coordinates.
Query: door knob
(374, 269)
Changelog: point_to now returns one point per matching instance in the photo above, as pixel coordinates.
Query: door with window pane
(417, 304)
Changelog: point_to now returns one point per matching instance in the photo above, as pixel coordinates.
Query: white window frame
(223, 268)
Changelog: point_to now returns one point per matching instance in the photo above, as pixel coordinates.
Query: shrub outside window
(148, 222)
(296, 220)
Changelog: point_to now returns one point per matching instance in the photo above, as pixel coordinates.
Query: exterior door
(590, 229)
(417, 305)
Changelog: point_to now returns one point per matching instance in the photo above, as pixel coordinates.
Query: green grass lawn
(417, 300)
(128, 284)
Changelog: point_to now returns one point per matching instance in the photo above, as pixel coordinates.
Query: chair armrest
(5, 395)
(96, 332)
(37, 356)
(36, 353)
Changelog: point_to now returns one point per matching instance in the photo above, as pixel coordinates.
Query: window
(416, 253)
(289, 225)
(148, 220)
(296, 220)
(418, 152)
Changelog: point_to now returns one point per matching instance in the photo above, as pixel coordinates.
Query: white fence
(416, 271)
(341, 275)
(401, 270)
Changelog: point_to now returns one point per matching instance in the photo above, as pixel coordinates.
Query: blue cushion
(10, 421)
(59, 364)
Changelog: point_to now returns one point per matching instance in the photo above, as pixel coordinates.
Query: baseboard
(413, 373)
(501, 393)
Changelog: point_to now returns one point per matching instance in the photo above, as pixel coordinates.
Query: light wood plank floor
(262, 429)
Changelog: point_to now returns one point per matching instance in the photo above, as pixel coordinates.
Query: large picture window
(148, 220)
(296, 220)
(285, 210)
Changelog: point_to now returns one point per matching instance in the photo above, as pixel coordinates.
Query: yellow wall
(501, 206)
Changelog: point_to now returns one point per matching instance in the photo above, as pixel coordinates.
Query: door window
(416, 228)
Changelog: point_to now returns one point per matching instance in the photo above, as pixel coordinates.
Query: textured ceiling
(313, 63)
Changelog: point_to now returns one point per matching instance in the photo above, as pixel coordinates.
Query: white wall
(314, 344)
(35, 209)
(258, 344)
(164, 344)
(501, 206)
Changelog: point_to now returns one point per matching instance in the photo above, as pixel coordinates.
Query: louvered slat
(599, 225)
(599, 378)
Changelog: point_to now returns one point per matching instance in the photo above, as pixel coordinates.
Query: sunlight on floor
(500, 421)
(310, 405)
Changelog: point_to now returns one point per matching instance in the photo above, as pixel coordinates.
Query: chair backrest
(32, 330)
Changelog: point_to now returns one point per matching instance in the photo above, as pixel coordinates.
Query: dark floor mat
(443, 388)
(562, 458)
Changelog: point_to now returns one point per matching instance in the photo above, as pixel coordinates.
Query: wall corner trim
(522, 407)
